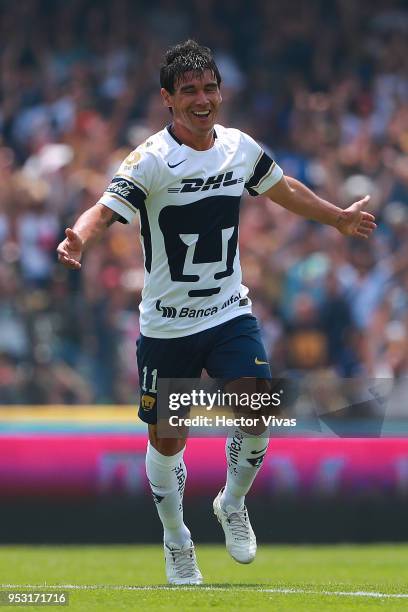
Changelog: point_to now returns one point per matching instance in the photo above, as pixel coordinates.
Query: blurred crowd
(324, 87)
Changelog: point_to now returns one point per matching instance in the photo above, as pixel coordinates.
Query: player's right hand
(70, 250)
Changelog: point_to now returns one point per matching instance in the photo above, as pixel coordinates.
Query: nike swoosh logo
(175, 165)
(258, 362)
(261, 451)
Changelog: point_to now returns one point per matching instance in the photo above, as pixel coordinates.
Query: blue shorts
(228, 351)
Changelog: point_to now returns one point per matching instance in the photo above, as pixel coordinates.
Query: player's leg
(167, 474)
(245, 451)
(165, 467)
(245, 447)
(239, 356)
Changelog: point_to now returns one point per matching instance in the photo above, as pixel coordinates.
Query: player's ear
(166, 97)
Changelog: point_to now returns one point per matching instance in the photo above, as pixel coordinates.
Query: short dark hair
(185, 57)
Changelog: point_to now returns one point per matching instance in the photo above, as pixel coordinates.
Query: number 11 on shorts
(153, 388)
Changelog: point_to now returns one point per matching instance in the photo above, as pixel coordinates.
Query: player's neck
(198, 142)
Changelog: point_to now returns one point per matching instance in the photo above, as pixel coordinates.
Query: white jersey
(188, 202)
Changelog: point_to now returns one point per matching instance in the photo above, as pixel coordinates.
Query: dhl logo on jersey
(190, 185)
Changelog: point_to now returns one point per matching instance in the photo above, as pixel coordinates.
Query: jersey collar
(170, 131)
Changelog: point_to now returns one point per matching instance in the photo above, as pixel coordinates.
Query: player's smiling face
(195, 103)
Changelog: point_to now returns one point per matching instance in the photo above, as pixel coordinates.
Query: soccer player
(185, 183)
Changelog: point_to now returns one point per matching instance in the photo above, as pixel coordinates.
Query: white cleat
(240, 539)
(181, 564)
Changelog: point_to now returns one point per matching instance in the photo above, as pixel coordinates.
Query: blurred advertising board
(72, 465)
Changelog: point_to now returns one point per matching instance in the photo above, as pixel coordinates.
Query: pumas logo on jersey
(121, 187)
(147, 402)
(168, 312)
(190, 185)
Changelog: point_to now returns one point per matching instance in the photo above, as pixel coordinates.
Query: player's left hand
(357, 222)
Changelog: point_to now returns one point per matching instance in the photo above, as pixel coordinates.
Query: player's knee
(165, 446)
(258, 403)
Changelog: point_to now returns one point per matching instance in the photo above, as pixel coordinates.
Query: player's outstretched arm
(89, 227)
(296, 197)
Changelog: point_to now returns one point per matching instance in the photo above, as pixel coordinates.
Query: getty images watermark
(218, 400)
(312, 406)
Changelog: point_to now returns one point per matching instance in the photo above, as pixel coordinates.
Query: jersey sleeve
(131, 185)
(262, 171)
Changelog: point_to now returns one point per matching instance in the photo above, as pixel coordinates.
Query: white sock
(167, 477)
(245, 453)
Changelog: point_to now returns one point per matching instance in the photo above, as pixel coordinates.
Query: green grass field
(281, 578)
